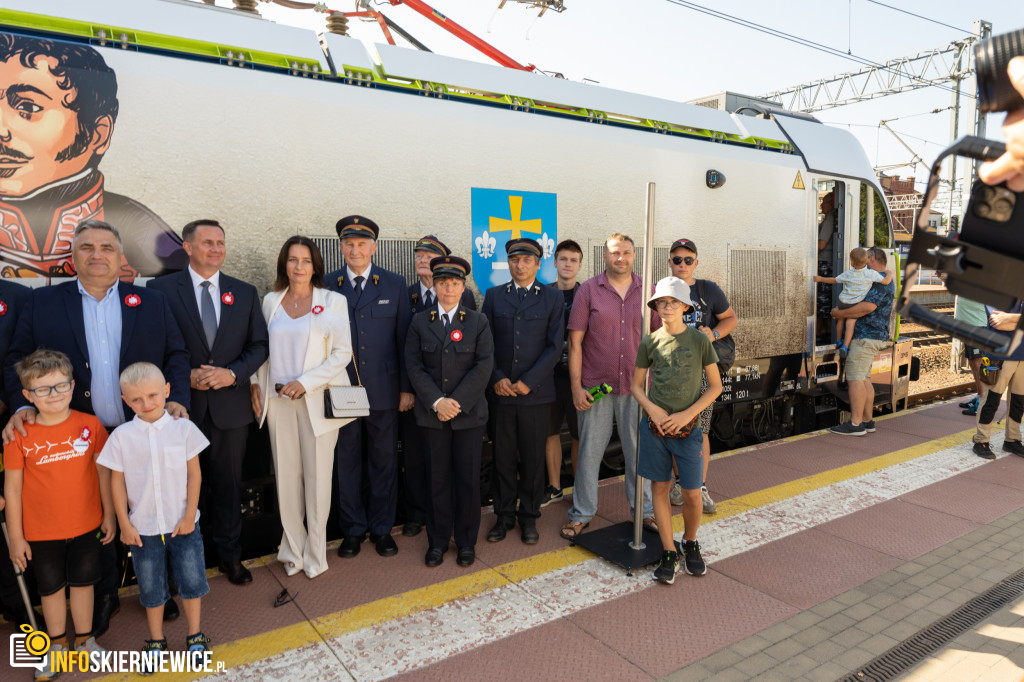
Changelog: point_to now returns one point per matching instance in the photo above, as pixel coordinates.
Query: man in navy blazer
(415, 449)
(103, 326)
(226, 346)
(526, 320)
(379, 318)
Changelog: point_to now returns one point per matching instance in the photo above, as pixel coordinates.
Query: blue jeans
(595, 432)
(187, 561)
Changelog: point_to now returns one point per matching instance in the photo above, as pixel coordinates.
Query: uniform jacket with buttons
(379, 317)
(53, 319)
(450, 364)
(527, 340)
(240, 345)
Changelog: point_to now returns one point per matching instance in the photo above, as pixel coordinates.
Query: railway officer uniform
(450, 354)
(379, 314)
(526, 322)
(415, 480)
(229, 333)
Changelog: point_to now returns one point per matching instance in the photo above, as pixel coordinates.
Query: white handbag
(346, 402)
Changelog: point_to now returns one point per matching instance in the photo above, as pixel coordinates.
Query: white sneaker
(45, 673)
(709, 505)
(675, 495)
(90, 646)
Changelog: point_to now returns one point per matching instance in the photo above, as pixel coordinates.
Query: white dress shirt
(214, 290)
(451, 318)
(154, 460)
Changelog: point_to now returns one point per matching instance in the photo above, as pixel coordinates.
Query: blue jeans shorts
(656, 455)
(187, 561)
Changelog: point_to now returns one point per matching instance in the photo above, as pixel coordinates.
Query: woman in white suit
(310, 346)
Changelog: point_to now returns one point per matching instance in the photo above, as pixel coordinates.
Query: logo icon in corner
(499, 215)
(28, 648)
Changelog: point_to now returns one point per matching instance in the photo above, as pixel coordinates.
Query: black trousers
(415, 467)
(220, 497)
(454, 468)
(520, 432)
(381, 437)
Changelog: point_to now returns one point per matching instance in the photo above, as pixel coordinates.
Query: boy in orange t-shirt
(59, 507)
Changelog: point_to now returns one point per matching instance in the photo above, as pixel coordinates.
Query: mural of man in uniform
(58, 105)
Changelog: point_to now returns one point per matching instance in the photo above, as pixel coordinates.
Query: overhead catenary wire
(805, 42)
(897, 9)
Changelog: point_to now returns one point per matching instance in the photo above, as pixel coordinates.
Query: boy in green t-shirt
(675, 355)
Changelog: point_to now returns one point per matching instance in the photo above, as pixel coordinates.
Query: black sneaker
(668, 566)
(984, 451)
(694, 561)
(849, 429)
(1014, 446)
(150, 662)
(869, 426)
(197, 645)
(551, 494)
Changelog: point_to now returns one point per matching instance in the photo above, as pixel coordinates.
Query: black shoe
(971, 412)
(497, 534)
(435, 557)
(385, 544)
(237, 573)
(1014, 446)
(530, 535)
(552, 494)
(973, 402)
(412, 528)
(349, 546)
(984, 451)
(171, 611)
(467, 555)
(107, 606)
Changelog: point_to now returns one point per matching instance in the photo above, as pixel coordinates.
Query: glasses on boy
(43, 391)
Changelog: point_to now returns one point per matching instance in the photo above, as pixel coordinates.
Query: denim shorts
(187, 561)
(656, 455)
(74, 562)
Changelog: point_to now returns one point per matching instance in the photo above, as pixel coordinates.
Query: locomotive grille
(396, 255)
(756, 281)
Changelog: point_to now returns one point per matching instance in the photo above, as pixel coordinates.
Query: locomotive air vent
(757, 281)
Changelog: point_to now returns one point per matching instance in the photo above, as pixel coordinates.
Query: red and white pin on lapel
(227, 298)
(456, 335)
(132, 300)
(317, 309)
(3, 307)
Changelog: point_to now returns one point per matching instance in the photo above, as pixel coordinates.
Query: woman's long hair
(281, 283)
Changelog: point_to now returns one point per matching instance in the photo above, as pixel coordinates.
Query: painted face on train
(42, 136)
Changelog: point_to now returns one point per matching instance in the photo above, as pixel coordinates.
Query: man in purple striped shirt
(604, 334)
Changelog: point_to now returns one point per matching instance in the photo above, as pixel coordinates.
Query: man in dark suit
(416, 478)
(379, 318)
(450, 353)
(526, 320)
(103, 326)
(13, 298)
(226, 338)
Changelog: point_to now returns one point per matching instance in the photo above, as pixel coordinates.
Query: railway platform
(826, 553)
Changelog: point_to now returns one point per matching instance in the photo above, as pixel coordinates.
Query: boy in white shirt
(856, 283)
(163, 519)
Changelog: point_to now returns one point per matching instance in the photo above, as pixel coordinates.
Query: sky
(661, 48)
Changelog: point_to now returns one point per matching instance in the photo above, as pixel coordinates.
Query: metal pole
(645, 288)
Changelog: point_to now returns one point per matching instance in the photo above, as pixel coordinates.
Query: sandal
(650, 524)
(572, 529)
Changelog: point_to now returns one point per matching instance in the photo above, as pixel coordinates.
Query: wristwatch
(234, 379)
(717, 335)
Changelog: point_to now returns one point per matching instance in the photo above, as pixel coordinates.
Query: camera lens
(995, 92)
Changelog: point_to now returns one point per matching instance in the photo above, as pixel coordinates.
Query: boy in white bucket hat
(675, 355)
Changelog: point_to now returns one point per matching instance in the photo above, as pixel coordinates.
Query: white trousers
(304, 467)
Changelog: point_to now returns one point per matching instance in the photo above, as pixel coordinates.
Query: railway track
(941, 393)
(926, 337)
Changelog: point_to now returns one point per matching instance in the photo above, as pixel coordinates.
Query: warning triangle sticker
(799, 182)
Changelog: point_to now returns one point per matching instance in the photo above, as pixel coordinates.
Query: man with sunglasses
(712, 316)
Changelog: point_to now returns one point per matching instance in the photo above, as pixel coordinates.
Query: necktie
(521, 292)
(428, 300)
(359, 284)
(208, 314)
(446, 321)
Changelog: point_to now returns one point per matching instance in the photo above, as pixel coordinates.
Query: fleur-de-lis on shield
(548, 244)
(485, 244)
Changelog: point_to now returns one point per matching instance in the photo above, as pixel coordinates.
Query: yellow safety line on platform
(383, 610)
